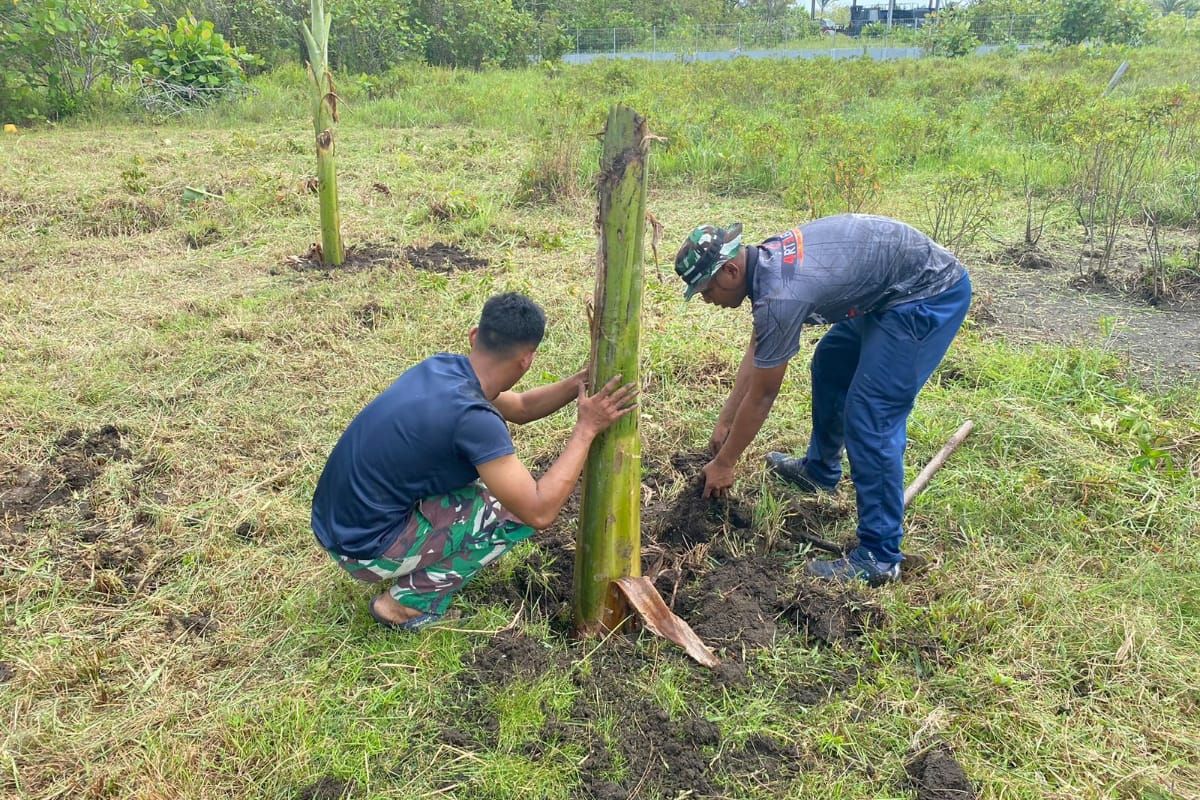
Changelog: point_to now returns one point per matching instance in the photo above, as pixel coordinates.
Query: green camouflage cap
(705, 250)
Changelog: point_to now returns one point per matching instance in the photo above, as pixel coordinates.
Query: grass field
(171, 386)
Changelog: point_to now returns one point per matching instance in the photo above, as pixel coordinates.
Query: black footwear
(859, 565)
(793, 471)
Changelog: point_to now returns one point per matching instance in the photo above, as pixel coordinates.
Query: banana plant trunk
(325, 114)
(609, 541)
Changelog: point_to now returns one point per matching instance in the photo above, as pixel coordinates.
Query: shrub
(1107, 21)
(553, 172)
(960, 207)
(55, 51)
(192, 61)
(268, 28)
(472, 33)
(374, 36)
(948, 33)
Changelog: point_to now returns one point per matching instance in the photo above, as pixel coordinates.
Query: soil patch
(6, 672)
(1039, 305)
(76, 462)
(179, 625)
(691, 519)
(371, 315)
(734, 606)
(507, 656)
(937, 775)
(442, 257)
(1027, 257)
(327, 788)
(835, 615)
(359, 257)
(656, 754)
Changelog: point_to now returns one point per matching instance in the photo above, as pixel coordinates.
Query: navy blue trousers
(866, 373)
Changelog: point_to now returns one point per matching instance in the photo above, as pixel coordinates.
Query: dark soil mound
(734, 606)
(937, 775)
(691, 520)
(327, 788)
(653, 755)
(442, 257)
(764, 758)
(1027, 257)
(179, 625)
(359, 257)
(507, 656)
(832, 614)
(372, 315)
(740, 605)
(76, 462)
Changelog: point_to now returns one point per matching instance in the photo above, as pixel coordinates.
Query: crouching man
(424, 488)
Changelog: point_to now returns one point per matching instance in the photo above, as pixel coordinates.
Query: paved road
(876, 53)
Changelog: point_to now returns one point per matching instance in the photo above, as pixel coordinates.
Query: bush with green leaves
(1106, 21)
(54, 52)
(192, 59)
(474, 33)
(376, 35)
(265, 27)
(948, 33)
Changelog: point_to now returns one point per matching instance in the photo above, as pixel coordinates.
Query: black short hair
(509, 321)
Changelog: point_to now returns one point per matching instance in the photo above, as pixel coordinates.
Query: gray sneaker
(859, 565)
(794, 471)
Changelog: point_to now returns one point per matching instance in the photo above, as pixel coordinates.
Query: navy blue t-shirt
(423, 436)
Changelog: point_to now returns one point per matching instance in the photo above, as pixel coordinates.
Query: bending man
(895, 300)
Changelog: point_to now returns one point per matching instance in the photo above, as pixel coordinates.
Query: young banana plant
(325, 114)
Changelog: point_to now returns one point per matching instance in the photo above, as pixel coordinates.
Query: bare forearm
(556, 485)
(740, 385)
(751, 413)
(545, 400)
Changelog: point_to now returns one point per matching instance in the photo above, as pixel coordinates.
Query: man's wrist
(726, 460)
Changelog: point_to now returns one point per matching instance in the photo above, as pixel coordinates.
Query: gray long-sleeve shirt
(836, 268)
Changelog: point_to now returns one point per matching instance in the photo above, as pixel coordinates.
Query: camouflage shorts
(448, 539)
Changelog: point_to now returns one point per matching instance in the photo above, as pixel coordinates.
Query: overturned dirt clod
(507, 656)
(359, 257)
(937, 775)
(179, 625)
(734, 606)
(835, 615)
(77, 461)
(327, 788)
(443, 257)
(371, 315)
(693, 520)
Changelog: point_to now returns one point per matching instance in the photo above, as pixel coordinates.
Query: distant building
(907, 15)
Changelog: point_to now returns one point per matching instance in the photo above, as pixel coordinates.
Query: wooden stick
(812, 538)
(921, 481)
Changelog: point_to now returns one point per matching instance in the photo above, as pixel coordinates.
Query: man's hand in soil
(717, 479)
(598, 412)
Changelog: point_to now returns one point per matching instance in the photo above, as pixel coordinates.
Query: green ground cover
(169, 628)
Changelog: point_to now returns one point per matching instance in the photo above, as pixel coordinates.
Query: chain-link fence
(903, 37)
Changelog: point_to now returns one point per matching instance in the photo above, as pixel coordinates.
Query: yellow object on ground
(10, 128)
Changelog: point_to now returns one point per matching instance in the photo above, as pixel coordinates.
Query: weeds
(961, 208)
